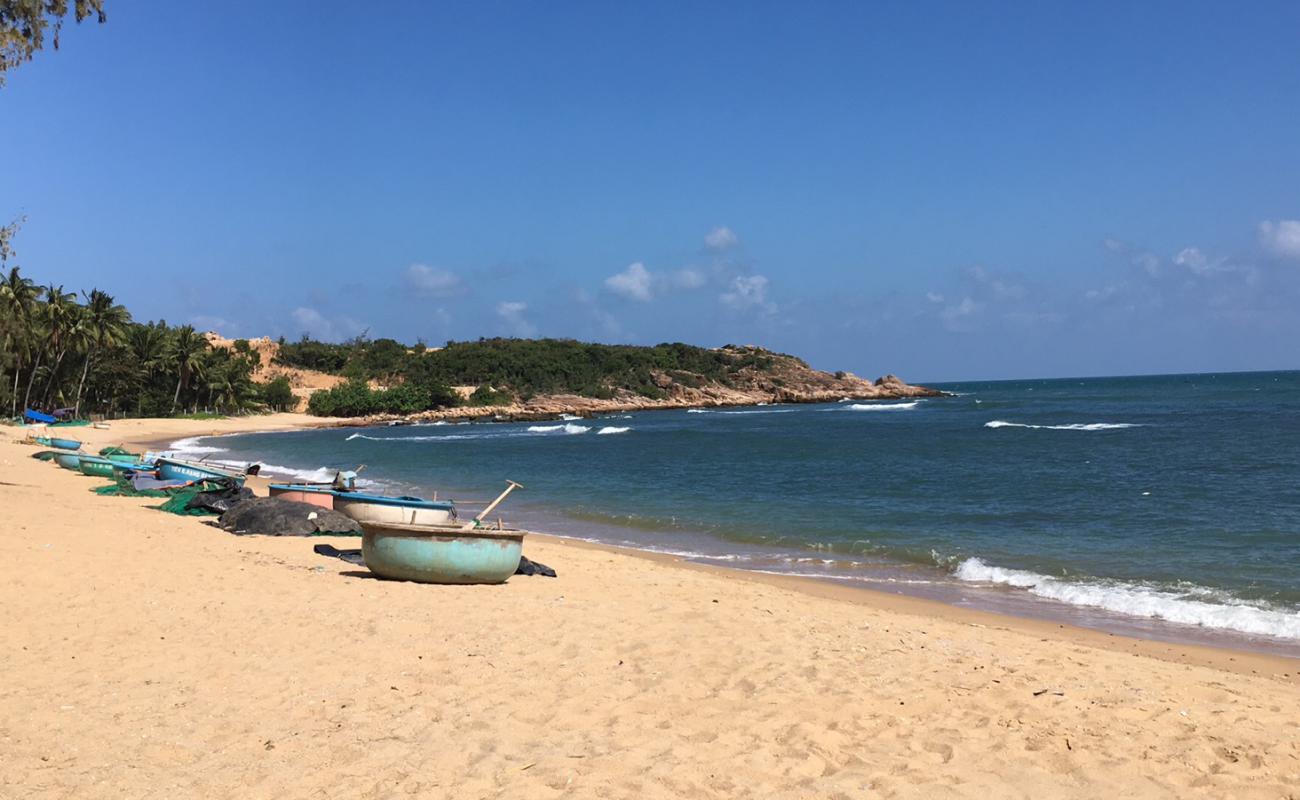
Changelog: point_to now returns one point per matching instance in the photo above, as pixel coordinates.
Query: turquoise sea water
(1167, 505)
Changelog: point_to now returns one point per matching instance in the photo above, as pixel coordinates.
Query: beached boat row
(403, 537)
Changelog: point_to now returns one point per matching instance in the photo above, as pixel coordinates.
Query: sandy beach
(154, 656)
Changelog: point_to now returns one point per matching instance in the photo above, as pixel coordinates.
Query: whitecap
(1187, 604)
(884, 406)
(183, 448)
(608, 429)
(1074, 426)
(568, 428)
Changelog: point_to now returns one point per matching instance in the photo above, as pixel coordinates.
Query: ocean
(1161, 506)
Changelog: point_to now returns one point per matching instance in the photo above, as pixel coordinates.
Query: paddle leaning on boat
(454, 553)
(415, 539)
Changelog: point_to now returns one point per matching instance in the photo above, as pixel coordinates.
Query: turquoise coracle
(433, 554)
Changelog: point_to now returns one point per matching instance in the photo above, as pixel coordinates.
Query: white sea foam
(760, 411)
(318, 475)
(884, 406)
(1074, 426)
(608, 429)
(569, 417)
(185, 448)
(568, 428)
(1186, 605)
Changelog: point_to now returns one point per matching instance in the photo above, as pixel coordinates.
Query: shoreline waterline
(986, 587)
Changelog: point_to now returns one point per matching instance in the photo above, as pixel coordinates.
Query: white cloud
(329, 329)
(956, 315)
(746, 292)
(720, 239)
(433, 281)
(643, 285)
(1193, 259)
(1002, 289)
(934, 297)
(686, 279)
(632, 283)
(512, 313)
(1281, 238)
(1146, 261)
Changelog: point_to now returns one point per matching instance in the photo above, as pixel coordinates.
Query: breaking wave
(567, 427)
(184, 448)
(1076, 426)
(1192, 605)
(608, 429)
(884, 406)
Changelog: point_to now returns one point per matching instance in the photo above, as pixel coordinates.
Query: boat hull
(61, 444)
(96, 467)
(393, 510)
(304, 494)
(441, 554)
(175, 470)
(70, 461)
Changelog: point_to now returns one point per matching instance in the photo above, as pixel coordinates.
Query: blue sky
(943, 191)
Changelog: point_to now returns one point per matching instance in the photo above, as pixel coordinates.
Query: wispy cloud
(432, 281)
(1281, 238)
(329, 329)
(748, 292)
(721, 239)
(643, 285)
(511, 313)
(686, 279)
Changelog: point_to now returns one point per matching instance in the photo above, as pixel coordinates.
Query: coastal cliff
(760, 377)
(383, 380)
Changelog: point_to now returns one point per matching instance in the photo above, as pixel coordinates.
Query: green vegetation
(356, 399)
(24, 24)
(88, 355)
(278, 395)
(504, 369)
(487, 396)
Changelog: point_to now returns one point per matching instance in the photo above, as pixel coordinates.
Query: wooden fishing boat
(179, 469)
(455, 554)
(102, 467)
(96, 466)
(397, 510)
(61, 444)
(322, 496)
(70, 461)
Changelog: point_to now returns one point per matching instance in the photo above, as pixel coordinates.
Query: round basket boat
(441, 553)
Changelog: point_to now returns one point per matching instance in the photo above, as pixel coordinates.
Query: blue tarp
(36, 416)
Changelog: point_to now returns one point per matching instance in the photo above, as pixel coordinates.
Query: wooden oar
(479, 517)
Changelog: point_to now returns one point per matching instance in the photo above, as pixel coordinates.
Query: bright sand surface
(151, 656)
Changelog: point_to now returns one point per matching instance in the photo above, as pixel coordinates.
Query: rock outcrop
(781, 379)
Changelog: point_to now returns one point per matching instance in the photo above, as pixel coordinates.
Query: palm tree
(185, 351)
(105, 326)
(63, 318)
(149, 346)
(18, 297)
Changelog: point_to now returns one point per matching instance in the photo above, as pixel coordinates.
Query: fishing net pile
(271, 516)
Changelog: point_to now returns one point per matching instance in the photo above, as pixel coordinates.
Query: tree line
(502, 371)
(83, 352)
